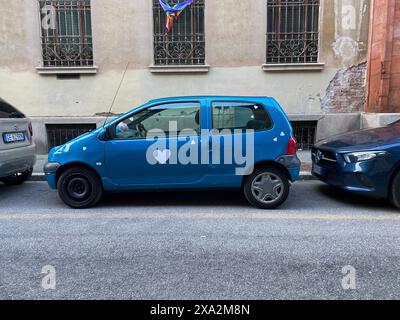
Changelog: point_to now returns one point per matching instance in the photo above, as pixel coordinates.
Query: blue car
(180, 144)
(365, 162)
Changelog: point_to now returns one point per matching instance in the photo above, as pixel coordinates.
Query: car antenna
(116, 94)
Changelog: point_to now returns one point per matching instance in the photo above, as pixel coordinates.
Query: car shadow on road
(355, 200)
(215, 198)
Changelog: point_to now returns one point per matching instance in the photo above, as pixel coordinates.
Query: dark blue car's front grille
(321, 156)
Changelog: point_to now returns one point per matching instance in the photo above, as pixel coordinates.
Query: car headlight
(355, 157)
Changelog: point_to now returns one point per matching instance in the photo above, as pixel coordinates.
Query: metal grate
(305, 131)
(185, 43)
(66, 33)
(58, 134)
(292, 31)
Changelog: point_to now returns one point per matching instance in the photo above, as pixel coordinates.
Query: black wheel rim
(78, 188)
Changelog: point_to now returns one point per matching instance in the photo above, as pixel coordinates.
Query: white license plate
(13, 137)
(318, 170)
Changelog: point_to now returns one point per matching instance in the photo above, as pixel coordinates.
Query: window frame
(288, 66)
(58, 68)
(114, 125)
(262, 105)
(179, 67)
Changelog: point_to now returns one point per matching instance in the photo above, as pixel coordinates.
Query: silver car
(17, 149)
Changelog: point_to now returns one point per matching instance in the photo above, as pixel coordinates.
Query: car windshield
(8, 111)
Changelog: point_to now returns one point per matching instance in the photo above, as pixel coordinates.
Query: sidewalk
(305, 157)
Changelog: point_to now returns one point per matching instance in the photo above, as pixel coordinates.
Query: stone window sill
(67, 70)
(180, 69)
(293, 67)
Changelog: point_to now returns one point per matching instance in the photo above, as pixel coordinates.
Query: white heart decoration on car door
(162, 156)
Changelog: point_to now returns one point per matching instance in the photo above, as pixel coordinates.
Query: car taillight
(30, 129)
(291, 148)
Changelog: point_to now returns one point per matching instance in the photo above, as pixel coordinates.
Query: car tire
(394, 196)
(80, 188)
(267, 188)
(18, 178)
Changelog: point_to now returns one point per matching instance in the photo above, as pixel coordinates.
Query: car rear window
(8, 111)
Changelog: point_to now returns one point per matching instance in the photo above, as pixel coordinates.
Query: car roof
(208, 97)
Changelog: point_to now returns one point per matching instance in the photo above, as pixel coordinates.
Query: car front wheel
(80, 188)
(267, 188)
(18, 178)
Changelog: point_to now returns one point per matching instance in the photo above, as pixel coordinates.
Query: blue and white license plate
(318, 170)
(13, 137)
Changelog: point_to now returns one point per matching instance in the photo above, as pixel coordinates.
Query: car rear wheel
(267, 188)
(80, 188)
(18, 178)
(395, 191)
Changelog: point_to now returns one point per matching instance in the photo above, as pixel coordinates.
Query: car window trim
(156, 105)
(242, 102)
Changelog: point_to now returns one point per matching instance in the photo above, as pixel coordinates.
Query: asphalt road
(204, 245)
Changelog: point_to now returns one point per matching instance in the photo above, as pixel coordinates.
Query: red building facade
(383, 76)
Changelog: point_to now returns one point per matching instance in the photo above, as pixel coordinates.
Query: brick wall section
(346, 91)
(383, 86)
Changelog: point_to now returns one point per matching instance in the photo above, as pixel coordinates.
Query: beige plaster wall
(122, 30)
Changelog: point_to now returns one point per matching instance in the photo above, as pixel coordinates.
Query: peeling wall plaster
(346, 91)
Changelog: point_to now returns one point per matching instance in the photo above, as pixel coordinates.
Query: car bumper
(362, 179)
(50, 170)
(292, 164)
(17, 160)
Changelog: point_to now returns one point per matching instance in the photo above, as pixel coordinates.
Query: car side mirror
(106, 133)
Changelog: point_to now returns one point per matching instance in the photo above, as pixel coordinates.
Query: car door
(242, 134)
(157, 146)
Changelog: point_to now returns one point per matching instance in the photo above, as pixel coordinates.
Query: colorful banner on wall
(172, 13)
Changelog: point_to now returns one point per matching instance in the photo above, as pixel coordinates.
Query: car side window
(240, 116)
(185, 117)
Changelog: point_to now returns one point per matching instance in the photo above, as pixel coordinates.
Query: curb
(304, 176)
(37, 177)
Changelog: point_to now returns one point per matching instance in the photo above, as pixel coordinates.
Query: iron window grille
(292, 31)
(58, 134)
(305, 133)
(185, 43)
(66, 33)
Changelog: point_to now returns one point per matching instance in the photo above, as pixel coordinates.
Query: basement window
(305, 133)
(58, 134)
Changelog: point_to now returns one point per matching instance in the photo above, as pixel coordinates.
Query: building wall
(235, 52)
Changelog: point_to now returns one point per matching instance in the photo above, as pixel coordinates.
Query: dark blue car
(366, 162)
(179, 144)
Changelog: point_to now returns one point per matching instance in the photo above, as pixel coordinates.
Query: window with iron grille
(58, 134)
(305, 132)
(292, 31)
(66, 33)
(184, 44)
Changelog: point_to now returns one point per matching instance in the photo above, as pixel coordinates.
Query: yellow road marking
(201, 216)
